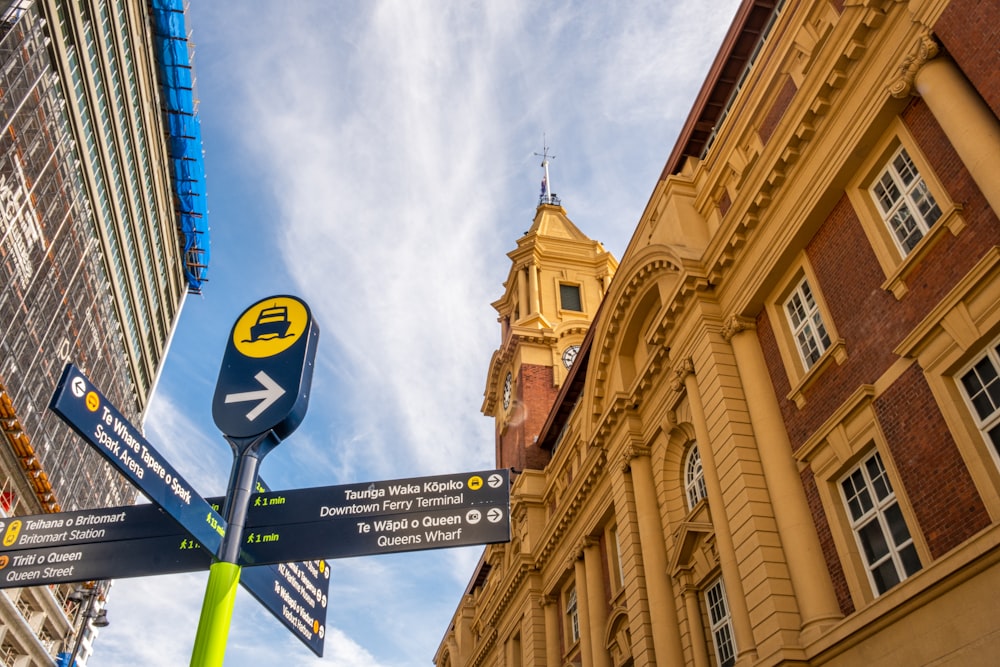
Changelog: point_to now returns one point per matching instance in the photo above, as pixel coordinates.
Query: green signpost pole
(216, 615)
(224, 575)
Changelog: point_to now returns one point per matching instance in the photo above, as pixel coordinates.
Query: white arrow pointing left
(267, 396)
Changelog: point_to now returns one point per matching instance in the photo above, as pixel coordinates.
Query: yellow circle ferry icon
(270, 327)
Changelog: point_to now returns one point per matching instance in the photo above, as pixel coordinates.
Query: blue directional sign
(378, 517)
(101, 560)
(295, 594)
(143, 540)
(81, 405)
(267, 369)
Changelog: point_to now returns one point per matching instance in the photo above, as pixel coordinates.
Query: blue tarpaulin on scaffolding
(187, 167)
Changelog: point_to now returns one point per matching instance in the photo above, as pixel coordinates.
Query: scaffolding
(183, 135)
(55, 300)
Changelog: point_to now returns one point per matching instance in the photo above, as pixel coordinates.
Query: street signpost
(261, 397)
(84, 407)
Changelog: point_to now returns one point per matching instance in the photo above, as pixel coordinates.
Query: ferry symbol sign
(267, 369)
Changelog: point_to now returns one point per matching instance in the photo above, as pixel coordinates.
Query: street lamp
(99, 619)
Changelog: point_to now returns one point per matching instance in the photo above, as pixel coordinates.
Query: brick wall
(944, 498)
(534, 395)
(970, 31)
(870, 320)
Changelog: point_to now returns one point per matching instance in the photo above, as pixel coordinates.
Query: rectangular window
(878, 524)
(569, 297)
(904, 202)
(981, 385)
(806, 322)
(721, 624)
(572, 617)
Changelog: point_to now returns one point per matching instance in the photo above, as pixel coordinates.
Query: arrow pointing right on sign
(271, 392)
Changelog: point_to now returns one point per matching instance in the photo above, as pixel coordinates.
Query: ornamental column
(553, 650)
(597, 607)
(966, 119)
(582, 609)
(693, 607)
(745, 646)
(807, 569)
(662, 609)
(533, 288)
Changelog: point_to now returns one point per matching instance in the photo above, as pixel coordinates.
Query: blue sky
(378, 160)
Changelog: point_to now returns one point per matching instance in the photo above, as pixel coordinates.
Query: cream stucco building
(779, 441)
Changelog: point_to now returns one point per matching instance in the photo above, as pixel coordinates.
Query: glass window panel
(885, 576)
(897, 525)
(873, 541)
(911, 561)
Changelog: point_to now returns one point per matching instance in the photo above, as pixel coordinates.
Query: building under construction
(103, 232)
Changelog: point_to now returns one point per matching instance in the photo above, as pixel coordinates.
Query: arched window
(694, 477)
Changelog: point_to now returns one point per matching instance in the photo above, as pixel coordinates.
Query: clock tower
(558, 277)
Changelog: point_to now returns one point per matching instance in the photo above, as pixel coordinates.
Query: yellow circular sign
(475, 482)
(92, 401)
(270, 327)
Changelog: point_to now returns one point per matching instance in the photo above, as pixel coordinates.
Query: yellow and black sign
(270, 327)
(267, 369)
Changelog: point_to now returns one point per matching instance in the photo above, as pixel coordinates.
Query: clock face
(569, 355)
(507, 386)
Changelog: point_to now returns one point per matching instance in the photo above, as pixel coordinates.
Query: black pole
(242, 482)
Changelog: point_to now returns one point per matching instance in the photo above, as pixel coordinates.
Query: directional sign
(378, 517)
(102, 560)
(267, 369)
(344, 537)
(80, 404)
(296, 594)
(415, 494)
(108, 524)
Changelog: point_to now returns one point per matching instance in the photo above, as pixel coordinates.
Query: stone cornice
(783, 153)
(570, 508)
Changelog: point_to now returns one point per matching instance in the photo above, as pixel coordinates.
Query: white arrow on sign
(494, 480)
(494, 514)
(267, 396)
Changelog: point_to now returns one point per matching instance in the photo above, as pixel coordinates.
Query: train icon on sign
(271, 323)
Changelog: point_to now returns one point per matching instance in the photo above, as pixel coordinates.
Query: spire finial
(547, 196)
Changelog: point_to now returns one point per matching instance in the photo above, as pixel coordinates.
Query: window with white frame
(572, 616)
(694, 478)
(981, 385)
(808, 330)
(878, 524)
(721, 624)
(904, 201)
